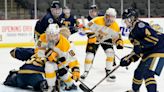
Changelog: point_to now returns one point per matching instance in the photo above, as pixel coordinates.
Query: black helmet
(93, 7)
(127, 13)
(55, 4)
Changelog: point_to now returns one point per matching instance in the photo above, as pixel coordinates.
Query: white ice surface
(123, 82)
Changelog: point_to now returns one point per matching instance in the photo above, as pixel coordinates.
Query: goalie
(106, 30)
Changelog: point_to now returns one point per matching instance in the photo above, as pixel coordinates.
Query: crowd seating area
(25, 8)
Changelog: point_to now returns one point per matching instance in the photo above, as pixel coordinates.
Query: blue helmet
(128, 13)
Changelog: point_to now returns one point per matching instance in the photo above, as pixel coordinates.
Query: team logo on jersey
(71, 52)
(50, 20)
(141, 25)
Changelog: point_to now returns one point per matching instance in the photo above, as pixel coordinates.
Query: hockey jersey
(147, 42)
(101, 22)
(69, 22)
(43, 23)
(62, 49)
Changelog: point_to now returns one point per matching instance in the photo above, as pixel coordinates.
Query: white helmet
(110, 16)
(111, 12)
(52, 29)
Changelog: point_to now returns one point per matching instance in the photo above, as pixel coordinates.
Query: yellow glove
(76, 73)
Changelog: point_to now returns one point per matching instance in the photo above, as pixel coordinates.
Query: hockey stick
(87, 89)
(107, 43)
(120, 59)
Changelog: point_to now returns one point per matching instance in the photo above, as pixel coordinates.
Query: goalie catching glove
(126, 61)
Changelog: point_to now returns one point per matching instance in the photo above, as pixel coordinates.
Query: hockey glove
(125, 61)
(119, 44)
(76, 73)
(61, 59)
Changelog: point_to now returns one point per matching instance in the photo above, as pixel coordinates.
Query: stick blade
(85, 88)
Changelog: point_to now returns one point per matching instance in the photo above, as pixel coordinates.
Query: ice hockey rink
(123, 81)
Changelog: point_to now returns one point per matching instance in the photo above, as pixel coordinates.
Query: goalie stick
(87, 89)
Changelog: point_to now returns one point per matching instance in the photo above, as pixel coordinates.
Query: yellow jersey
(62, 49)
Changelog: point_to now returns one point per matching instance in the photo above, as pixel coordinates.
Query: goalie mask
(52, 34)
(110, 16)
(56, 9)
(129, 16)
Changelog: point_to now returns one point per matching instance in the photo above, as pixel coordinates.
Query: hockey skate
(84, 75)
(73, 87)
(110, 78)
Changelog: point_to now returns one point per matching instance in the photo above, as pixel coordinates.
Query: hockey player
(149, 46)
(93, 12)
(69, 20)
(52, 16)
(98, 23)
(30, 74)
(60, 57)
(59, 65)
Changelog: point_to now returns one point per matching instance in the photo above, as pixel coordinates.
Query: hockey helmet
(111, 12)
(110, 16)
(55, 4)
(127, 13)
(93, 7)
(52, 29)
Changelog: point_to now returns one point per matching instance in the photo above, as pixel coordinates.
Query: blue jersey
(33, 65)
(146, 40)
(42, 24)
(69, 22)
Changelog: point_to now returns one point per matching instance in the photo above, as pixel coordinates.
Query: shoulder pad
(50, 20)
(141, 25)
